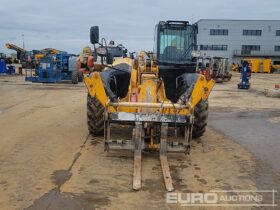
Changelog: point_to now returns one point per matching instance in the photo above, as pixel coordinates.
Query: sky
(65, 24)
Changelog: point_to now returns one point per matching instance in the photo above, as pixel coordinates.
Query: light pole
(22, 40)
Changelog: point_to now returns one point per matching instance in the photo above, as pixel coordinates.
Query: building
(237, 39)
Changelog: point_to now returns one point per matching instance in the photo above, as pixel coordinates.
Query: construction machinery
(25, 57)
(267, 66)
(234, 67)
(31, 59)
(6, 69)
(260, 65)
(254, 63)
(39, 54)
(85, 62)
(6, 66)
(214, 67)
(7, 59)
(275, 68)
(220, 69)
(53, 69)
(203, 66)
(88, 59)
(245, 76)
(148, 95)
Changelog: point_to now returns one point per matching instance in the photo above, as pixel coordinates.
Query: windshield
(176, 44)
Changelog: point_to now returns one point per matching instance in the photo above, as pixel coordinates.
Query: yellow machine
(39, 54)
(22, 54)
(260, 65)
(234, 67)
(255, 64)
(149, 94)
(267, 64)
(275, 68)
(32, 57)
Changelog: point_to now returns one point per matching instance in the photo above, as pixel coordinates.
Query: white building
(237, 39)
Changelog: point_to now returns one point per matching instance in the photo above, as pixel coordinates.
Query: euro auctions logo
(192, 198)
(224, 198)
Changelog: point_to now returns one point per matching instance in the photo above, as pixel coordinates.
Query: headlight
(101, 51)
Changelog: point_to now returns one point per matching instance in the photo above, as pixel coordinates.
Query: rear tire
(80, 76)
(95, 116)
(75, 77)
(200, 119)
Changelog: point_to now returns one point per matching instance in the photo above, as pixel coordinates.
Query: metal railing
(270, 53)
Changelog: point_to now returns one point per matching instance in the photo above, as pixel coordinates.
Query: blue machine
(6, 69)
(245, 76)
(52, 69)
(2, 66)
(10, 70)
(63, 65)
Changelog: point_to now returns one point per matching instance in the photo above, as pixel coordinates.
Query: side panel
(201, 90)
(95, 87)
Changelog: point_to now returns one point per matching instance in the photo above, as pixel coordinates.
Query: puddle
(56, 200)
(61, 176)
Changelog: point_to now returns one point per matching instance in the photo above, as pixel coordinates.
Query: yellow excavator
(150, 94)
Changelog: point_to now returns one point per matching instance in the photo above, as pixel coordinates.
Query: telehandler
(150, 93)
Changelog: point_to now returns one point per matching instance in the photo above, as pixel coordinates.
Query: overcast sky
(64, 24)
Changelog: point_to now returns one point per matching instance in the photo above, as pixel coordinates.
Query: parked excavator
(150, 94)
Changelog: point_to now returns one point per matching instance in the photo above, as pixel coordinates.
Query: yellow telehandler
(150, 93)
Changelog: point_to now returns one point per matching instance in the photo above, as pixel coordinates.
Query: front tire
(75, 77)
(200, 119)
(95, 116)
(80, 76)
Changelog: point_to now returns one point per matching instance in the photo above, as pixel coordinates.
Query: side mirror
(109, 58)
(131, 55)
(94, 35)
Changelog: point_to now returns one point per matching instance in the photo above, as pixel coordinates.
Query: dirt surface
(48, 160)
